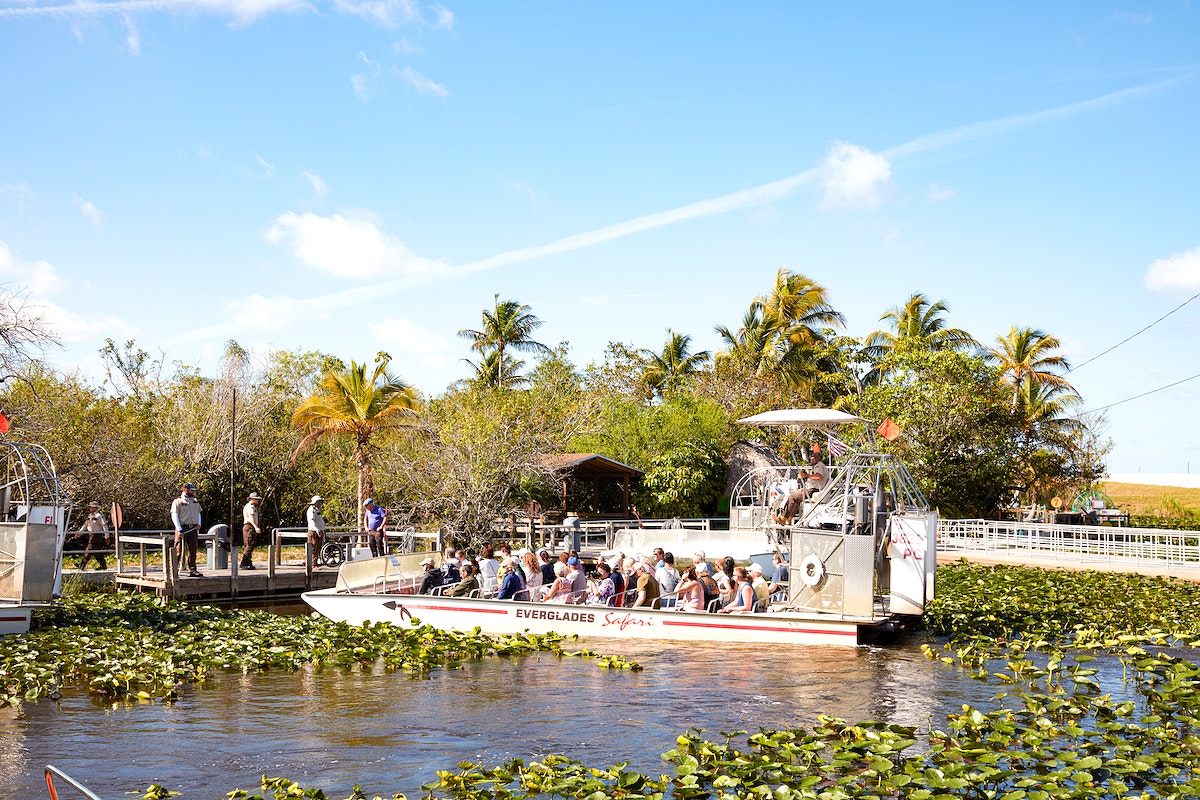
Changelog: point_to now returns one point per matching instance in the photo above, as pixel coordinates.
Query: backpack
(711, 591)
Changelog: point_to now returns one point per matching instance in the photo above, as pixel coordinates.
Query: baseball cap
(572, 561)
(189, 486)
(756, 568)
(369, 501)
(428, 561)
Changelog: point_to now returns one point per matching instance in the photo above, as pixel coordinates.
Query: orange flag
(3, 424)
(889, 430)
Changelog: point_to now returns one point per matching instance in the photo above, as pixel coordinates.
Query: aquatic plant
(138, 647)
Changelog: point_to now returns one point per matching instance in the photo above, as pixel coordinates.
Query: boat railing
(53, 772)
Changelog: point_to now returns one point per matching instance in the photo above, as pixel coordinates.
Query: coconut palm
(1049, 407)
(347, 403)
(751, 344)
(917, 323)
(1028, 355)
(490, 373)
(674, 362)
(797, 307)
(508, 326)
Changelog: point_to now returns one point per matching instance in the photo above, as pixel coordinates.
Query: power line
(1137, 397)
(1127, 338)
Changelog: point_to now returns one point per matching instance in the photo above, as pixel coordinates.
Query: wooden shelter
(592, 485)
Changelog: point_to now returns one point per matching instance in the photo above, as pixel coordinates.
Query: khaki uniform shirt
(250, 516)
(95, 523)
(187, 509)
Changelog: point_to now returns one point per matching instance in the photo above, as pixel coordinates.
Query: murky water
(332, 728)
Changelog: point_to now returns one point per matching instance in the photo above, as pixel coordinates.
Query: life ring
(811, 570)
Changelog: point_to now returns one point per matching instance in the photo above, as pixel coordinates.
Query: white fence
(1087, 545)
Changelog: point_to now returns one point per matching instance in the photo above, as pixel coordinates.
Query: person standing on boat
(98, 537)
(376, 516)
(251, 529)
(185, 514)
(316, 527)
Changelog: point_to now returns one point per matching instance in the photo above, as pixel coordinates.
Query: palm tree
(674, 362)
(508, 326)
(1027, 355)
(348, 403)
(751, 344)
(796, 306)
(917, 323)
(490, 373)
(1049, 407)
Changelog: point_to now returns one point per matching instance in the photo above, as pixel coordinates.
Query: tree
(675, 362)
(508, 326)
(22, 330)
(351, 405)
(1028, 355)
(489, 371)
(918, 324)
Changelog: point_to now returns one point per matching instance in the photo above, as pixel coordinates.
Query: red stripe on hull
(806, 631)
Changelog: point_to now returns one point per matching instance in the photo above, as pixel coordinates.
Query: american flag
(837, 447)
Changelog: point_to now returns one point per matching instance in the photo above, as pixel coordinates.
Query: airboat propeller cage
(868, 533)
(33, 512)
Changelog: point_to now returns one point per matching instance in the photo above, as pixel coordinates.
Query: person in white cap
(251, 529)
(762, 589)
(316, 527)
(431, 579)
(98, 537)
(185, 514)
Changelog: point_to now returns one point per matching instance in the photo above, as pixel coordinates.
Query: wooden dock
(283, 580)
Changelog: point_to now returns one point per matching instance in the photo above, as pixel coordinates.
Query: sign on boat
(862, 553)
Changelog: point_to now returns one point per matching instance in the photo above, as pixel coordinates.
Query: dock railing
(404, 540)
(1078, 544)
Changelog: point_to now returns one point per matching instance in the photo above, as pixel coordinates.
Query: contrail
(733, 201)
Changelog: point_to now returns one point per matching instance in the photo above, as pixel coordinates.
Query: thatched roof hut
(746, 456)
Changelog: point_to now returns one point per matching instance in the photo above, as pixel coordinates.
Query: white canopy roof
(802, 417)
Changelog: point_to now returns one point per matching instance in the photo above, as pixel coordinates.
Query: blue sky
(356, 176)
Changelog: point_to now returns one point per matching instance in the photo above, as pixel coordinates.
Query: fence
(1087, 545)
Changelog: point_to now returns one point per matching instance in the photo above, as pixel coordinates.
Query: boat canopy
(802, 417)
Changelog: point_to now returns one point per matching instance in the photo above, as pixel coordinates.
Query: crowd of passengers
(649, 581)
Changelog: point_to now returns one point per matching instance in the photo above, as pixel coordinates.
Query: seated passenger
(432, 578)
(602, 588)
(560, 588)
(647, 587)
(743, 596)
(666, 575)
(762, 590)
(619, 584)
(724, 575)
(468, 583)
(711, 590)
(689, 594)
(512, 586)
(577, 577)
(532, 572)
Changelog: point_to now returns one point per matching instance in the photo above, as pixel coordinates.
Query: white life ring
(811, 570)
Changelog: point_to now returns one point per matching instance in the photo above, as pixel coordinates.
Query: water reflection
(390, 732)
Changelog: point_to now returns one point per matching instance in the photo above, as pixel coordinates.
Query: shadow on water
(332, 728)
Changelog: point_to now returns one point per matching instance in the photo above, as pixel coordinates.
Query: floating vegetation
(140, 648)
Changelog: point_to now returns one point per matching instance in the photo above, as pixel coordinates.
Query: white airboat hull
(515, 617)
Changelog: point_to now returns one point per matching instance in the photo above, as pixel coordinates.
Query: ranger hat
(316, 499)
(93, 504)
(254, 496)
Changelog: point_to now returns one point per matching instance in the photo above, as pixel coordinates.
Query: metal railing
(1079, 544)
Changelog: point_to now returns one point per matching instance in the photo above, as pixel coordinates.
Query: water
(332, 728)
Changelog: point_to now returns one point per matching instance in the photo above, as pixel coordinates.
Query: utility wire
(1127, 338)
(1137, 397)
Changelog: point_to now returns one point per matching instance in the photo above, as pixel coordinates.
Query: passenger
(647, 587)
(698, 559)
(619, 582)
(711, 590)
(666, 574)
(532, 573)
(450, 571)
(560, 588)
(431, 579)
(488, 567)
(657, 558)
(602, 588)
(762, 590)
(505, 552)
(577, 577)
(724, 575)
(690, 592)
(512, 586)
(468, 583)
(547, 567)
(743, 596)
(781, 570)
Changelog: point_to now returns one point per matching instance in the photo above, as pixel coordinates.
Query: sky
(365, 175)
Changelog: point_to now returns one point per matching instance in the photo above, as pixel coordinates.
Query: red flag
(3, 424)
(889, 430)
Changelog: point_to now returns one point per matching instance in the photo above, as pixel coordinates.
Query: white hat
(428, 561)
(756, 567)
(702, 568)
(316, 499)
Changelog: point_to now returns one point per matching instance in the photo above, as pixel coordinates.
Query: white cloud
(259, 313)
(421, 83)
(408, 337)
(350, 247)
(72, 327)
(1179, 271)
(854, 177)
(939, 194)
(267, 167)
(359, 84)
(133, 39)
(35, 277)
(242, 12)
(89, 211)
(319, 187)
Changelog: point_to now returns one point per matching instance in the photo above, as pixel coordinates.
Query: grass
(1159, 501)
